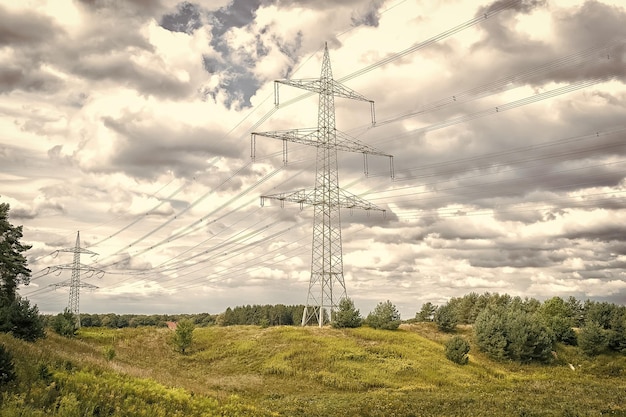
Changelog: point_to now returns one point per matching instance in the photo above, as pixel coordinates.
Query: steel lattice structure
(74, 283)
(326, 285)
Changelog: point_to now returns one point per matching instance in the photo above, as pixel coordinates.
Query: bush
(347, 315)
(560, 317)
(7, 369)
(21, 320)
(457, 349)
(592, 339)
(508, 332)
(184, 334)
(64, 324)
(109, 353)
(427, 312)
(446, 318)
(385, 316)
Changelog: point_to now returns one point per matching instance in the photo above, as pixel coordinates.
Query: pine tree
(16, 314)
(347, 315)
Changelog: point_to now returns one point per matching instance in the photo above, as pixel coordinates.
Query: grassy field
(293, 371)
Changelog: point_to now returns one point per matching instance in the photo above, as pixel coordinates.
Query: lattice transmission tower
(74, 282)
(326, 284)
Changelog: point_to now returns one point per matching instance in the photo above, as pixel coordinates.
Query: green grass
(293, 371)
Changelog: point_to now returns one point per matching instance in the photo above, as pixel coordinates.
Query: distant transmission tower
(74, 283)
(326, 285)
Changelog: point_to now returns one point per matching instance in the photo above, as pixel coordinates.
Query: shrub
(347, 315)
(507, 332)
(385, 316)
(43, 372)
(427, 312)
(64, 324)
(109, 353)
(21, 320)
(446, 318)
(560, 317)
(184, 334)
(592, 339)
(457, 349)
(7, 369)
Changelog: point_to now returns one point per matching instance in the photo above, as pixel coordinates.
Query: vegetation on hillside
(299, 371)
(512, 328)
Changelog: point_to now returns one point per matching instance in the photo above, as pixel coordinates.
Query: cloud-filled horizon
(130, 122)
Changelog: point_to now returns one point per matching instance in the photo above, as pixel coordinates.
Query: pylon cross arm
(348, 143)
(80, 267)
(351, 201)
(78, 250)
(69, 284)
(340, 90)
(301, 196)
(317, 86)
(310, 136)
(310, 197)
(306, 136)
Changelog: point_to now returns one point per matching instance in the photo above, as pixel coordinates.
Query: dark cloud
(28, 80)
(25, 29)
(117, 68)
(125, 7)
(592, 24)
(186, 19)
(606, 232)
(45, 209)
(524, 6)
(367, 15)
(147, 151)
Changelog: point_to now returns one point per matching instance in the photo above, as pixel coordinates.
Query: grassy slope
(357, 372)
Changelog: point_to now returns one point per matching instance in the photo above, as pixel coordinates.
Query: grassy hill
(293, 371)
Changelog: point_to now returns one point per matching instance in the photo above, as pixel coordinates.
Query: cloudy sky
(130, 122)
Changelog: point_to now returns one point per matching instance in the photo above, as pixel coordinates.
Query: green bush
(446, 318)
(592, 339)
(509, 332)
(427, 312)
(385, 316)
(109, 353)
(7, 368)
(184, 335)
(560, 317)
(347, 315)
(457, 349)
(20, 319)
(64, 324)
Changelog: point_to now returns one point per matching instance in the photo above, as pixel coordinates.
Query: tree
(13, 269)
(559, 316)
(427, 312)
(7, 369)
(385, 316)
(21, 320)
(65, 324)
(457, 349)
(592, 339)
(446, 318)
(509, 332)
(183, 335)
(347, 315)
(16, 315)
(490, 332)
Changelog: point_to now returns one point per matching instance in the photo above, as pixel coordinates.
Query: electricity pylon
(74, 282)
(326, 285)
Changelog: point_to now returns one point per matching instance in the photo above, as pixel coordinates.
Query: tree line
(526, 329)
(120, 321)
